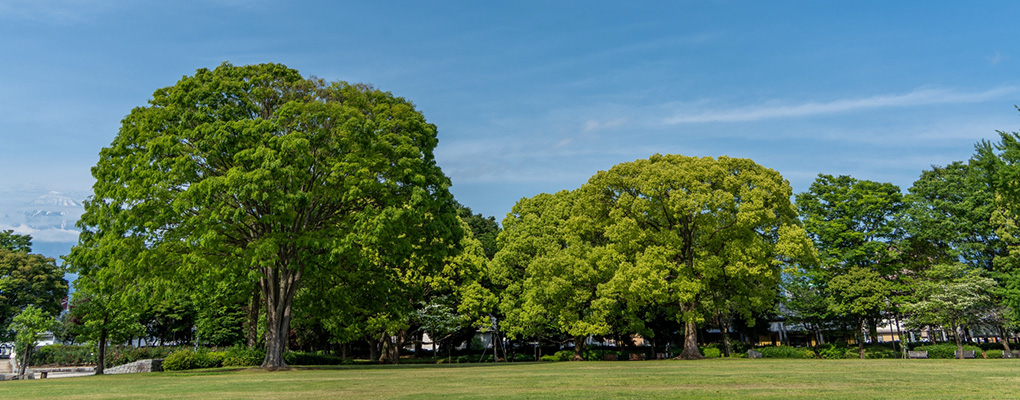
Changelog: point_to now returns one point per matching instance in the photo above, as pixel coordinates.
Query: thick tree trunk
(279, 284)
(579, 348)
(384, 348)
(724, 327)
(252, 330)
(101, 357)
(419, 338)
(691, 351)
(860, 337)
(373, 349)
(1004, 338)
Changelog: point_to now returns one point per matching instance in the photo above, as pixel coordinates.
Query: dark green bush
(184, 359)
(307, 358)
(466, 359)
(524, 357)
(832, 351)
(564, 355)
(993, 354)
(738, 347)
(66, 355)
(878, 351)
(240, 356)
(944, 350)
(786, 352)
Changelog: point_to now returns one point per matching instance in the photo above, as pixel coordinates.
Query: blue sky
(534, 97)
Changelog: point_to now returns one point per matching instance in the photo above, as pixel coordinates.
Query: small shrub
(944, 350)
(564, 355)
(465, 359)
(993, 354)
(832, 351)
(786, 352)
(549, 358)
(878, 351)
(180, 360)
(185, 359)
(66, 355)
(739, 347)
(524, 357)
(711, 352)
(240, 356)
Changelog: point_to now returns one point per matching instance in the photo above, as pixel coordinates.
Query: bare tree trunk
(1004, 338)
(724, 327)
(279, 284)
(690, 351)
(384, 348)
(419, 338)
(101, 357)
(25, 358)
(373, 349)
(579, 348)
(860, 337)
(252, 331)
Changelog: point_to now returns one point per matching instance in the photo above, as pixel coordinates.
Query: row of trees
(261, 207)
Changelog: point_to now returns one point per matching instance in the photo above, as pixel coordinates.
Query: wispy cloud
(994, 58)
(52, 11)
(54, 235)
(918, 97)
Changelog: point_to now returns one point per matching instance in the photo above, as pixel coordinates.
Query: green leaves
(688, 235)
(29, 280)
(256, 169)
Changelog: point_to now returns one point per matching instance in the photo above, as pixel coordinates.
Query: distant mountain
(48, 216)
(55, 199)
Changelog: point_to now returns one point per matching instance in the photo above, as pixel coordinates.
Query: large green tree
(693, 228)
(28, 279)
(258, 172)
(950, 208)
(853, 224)
(555, 270)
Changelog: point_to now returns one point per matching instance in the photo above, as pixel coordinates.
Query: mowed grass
(668, 379)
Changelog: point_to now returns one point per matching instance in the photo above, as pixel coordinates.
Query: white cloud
(54, 235)
(52, 11)
(772, 110)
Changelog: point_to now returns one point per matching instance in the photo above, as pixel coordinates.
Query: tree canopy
(257, 172)
(28, 280)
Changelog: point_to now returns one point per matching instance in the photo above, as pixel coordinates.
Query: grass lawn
(718, 378)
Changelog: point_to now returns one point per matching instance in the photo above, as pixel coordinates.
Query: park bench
(917, 354)
(966, 354)
(610, 357)
(637, 357)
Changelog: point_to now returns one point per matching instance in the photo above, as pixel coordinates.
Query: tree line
(250, 205)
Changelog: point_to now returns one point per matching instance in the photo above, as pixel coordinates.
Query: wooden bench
(917, 354)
